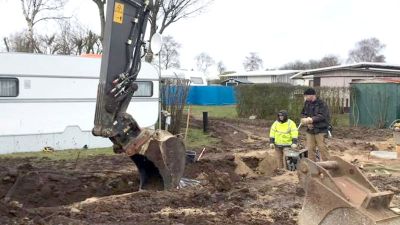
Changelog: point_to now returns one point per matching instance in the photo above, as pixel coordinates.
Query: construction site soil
(234, 187)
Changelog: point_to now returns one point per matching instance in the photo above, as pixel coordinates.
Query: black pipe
(205, 122)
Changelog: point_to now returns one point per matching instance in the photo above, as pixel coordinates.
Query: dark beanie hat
(309, 91)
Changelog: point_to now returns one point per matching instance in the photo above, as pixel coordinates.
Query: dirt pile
(238, 184)
(52, 187)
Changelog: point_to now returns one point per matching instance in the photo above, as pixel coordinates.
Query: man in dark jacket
(315, 115)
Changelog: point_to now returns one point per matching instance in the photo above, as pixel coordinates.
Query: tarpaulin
(211, 95)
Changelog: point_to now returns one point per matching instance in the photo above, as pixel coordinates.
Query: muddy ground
(234, 188)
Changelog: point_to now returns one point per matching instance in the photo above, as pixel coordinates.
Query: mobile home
(49, 100)
(196, 78)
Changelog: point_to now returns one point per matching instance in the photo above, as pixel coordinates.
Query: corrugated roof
(371, 66)
(377, 81)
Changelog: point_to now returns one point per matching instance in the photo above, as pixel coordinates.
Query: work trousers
(279, 157)
(317, 140)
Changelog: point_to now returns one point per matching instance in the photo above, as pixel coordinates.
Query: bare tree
(166, 12)
(367, 50)
(56, 43)
(36, 11)
(85, 41)
(64, 42)
(169, 53)
(326, 61)
(92, 43)
(221, 67)
(313, 63)
(101, 7)
(71, 39)
(253, 62)
(163, 14)
(175, 10)
(296, 65)
(204, 61)
(5, 40)
(18, 42)
(329, 60)
(47, 44)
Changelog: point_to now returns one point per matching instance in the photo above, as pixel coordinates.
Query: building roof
(180, 73)
(377, 81)
(370, 66)
(261, 73)
(31, 65)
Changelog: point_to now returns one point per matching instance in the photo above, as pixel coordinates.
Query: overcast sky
(280, 31)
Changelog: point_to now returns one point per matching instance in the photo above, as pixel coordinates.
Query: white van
(50, 100)
(196, 78)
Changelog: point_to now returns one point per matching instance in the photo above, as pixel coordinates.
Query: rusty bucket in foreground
(159, 157)
(338, 193)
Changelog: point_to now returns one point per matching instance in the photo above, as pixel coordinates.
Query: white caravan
(49, 100)
(196, 78)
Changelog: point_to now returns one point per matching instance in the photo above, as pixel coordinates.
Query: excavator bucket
(338, 193)
(160, 158)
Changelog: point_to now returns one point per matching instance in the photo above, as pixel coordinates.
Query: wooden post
(187, 122)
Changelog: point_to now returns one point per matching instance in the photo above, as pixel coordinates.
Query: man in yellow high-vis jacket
(283, 133)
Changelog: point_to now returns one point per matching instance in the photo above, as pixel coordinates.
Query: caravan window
(196, 80)
(145, 89)
(8, 87)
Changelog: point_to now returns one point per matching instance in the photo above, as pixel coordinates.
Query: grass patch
(228, 111)
(70, 154)
(197, 139)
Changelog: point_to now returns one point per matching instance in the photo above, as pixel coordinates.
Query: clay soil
(233, 189)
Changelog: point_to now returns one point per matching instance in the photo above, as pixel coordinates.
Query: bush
(174, 93)
(265, 100)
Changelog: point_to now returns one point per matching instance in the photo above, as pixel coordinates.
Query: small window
(9, 87)
(196, 80)
(145, 89)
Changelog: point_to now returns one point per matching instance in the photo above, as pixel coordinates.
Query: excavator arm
(120, 65)
(159, 156)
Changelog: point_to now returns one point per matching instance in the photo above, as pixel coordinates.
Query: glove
(293, 146)
(272, 145)
(306, 121)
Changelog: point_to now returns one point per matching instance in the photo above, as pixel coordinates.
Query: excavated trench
(48, 187)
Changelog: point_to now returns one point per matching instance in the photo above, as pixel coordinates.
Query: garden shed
(375, 102)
